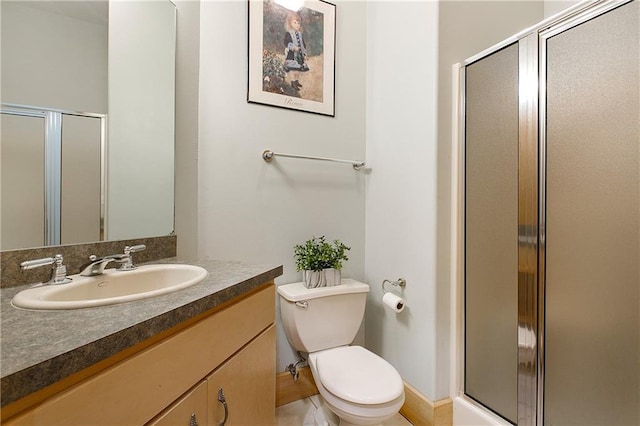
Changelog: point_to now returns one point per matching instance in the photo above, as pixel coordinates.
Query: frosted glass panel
(22, 182)
(491, 221)
(592, 374)
(80, 203)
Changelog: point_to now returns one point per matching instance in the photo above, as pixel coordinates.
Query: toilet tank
(324, 317)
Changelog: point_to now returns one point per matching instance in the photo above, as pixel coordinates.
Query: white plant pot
(323, 278)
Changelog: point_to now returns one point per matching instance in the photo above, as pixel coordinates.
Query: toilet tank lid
(297, 292)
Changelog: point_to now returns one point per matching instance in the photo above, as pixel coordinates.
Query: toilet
(357, 386)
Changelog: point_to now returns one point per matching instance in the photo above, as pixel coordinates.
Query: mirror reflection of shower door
(41, 205)
(23, 182)
(81, 186)
(592, 366)
(491, 222)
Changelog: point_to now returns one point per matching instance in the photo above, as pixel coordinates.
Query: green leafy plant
(317, 254)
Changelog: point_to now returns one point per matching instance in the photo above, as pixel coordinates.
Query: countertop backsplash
(77, 255)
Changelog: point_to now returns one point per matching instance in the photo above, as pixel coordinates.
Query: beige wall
(551, 7)
(54, 61)
(186, 161)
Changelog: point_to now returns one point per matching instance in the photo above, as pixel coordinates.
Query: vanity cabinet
(230, 348)
(247, 382)
(244, 383)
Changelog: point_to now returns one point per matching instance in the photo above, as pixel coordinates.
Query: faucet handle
(127, 264)
(58, 269)
(30, 264)
(134, 249)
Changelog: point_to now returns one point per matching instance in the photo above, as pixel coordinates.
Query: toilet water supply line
(293, 368)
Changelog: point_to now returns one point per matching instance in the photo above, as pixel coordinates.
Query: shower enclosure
(551, 225)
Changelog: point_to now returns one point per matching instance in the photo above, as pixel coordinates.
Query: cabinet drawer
(138, 388)
(192, 408)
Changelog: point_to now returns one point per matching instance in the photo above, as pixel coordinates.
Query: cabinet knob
(193, 421)
(223, 400)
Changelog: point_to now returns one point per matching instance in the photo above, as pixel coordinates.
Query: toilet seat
(356, 375)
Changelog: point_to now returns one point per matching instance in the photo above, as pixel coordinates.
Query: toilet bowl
(355, 384)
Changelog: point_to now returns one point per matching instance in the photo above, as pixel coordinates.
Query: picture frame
(292, 55)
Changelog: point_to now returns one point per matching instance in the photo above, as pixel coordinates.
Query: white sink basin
(111, 287)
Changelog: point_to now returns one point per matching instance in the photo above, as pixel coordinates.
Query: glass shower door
(57, 156)
(22, 155)
(592, 304)
(491, 225)
(81, 180)
(552, 221)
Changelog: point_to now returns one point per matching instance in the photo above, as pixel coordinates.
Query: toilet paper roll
(393, 302)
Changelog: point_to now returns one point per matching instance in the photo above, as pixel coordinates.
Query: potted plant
(320, 261)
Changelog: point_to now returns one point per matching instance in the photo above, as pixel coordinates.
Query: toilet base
(346, 423)
(325, 417)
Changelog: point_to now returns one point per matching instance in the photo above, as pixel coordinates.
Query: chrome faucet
(58, 269)
(97, 265)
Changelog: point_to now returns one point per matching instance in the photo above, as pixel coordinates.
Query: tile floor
(302, 413)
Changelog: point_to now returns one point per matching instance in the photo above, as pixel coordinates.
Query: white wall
(140, 165)
(187, 86)
(401, 192)
(256, 212)
(52, 60)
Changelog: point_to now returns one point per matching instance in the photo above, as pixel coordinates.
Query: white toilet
(357, 385)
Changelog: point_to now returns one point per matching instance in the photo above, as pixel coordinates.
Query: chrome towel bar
(267, 155)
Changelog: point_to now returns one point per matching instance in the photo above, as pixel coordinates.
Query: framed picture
(292, 54)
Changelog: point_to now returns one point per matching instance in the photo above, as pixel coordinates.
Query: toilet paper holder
(400, 282)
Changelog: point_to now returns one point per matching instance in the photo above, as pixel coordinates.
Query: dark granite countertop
(39, 348)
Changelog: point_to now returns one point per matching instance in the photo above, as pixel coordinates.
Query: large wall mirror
(87, 131)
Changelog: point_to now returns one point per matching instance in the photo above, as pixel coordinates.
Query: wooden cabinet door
(248, 383)
(190, 410)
